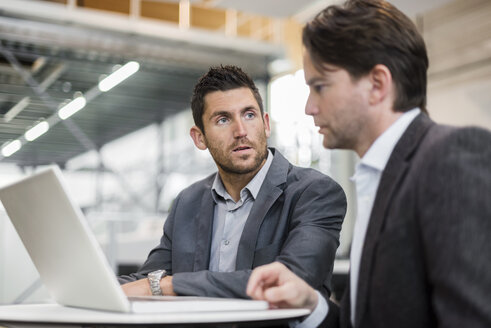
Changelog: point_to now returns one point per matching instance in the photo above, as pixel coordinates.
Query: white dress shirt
(367, 178)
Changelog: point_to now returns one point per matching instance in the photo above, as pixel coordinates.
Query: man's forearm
(211, 284)
(141, 287)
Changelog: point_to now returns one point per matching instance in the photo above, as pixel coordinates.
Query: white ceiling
(415, 7)
(305, 9)
(275, 8)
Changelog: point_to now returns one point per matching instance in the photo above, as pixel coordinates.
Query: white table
(39, 315)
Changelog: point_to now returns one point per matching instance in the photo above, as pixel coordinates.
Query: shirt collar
(379, 152)
(252, 187)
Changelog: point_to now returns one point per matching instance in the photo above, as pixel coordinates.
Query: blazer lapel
(392, 176)
(204, 219)
(268, 194)
(344, 308)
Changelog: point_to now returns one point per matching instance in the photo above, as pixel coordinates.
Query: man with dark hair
(258, 208)
(420, 255)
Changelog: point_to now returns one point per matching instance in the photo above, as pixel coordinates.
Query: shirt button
(226, 242)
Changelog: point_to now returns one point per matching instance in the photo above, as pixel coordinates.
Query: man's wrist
(318, 314)
(313, 300)
(166, 286)
(154, 280)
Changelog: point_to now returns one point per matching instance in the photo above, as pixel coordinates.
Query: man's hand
(142, 287)
(280, 287)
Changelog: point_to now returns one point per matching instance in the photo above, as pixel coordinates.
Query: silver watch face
(156, 274)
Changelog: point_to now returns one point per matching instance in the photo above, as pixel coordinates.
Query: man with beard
(420, 255)
(258, 208)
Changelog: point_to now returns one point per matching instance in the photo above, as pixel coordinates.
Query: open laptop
(69, 259)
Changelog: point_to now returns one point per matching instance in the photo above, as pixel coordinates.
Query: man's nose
(311, 107)
(239, 129)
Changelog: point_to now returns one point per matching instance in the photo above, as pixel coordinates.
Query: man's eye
(318, 87)
(250, 115)
(222, 120)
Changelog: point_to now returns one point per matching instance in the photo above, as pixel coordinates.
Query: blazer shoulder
(440, 139)
(284, 174)
(195, 191)
(448, 150)
(299, 176)
(296, 172)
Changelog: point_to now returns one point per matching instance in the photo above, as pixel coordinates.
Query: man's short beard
(260, 158)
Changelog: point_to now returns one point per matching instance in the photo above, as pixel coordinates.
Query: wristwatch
(154, 278)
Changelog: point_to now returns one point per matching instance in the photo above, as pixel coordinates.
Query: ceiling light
(11, 148)
(119, 76)
(72, 107)
(36, 131)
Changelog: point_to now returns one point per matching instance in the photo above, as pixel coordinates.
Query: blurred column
(342, 167)
(3, 248)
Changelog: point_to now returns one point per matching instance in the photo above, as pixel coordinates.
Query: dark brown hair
(220, 78)
(360, 34)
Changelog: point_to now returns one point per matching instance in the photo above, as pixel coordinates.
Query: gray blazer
(296, 219)
(426, 261)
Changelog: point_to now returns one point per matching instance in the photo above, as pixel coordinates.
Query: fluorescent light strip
(72, 107)
(11, 148)
(36, 131)
(69, 109)
(119, 76)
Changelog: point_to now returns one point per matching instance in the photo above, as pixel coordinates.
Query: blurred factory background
(126, 151)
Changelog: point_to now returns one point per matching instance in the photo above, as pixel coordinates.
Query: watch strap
(154, 280)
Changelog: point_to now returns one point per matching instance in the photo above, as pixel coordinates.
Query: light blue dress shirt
(230, 218)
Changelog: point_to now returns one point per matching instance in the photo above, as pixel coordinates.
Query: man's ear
(198, 137)
(267, 128)
(382, 87)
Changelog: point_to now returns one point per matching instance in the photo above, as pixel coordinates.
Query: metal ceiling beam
(24, 102)
(137, 26)
(72, 127)
(58, 40)
(16, 109)
(52, 77)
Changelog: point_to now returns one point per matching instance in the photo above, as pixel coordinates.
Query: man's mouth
(241, 148)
